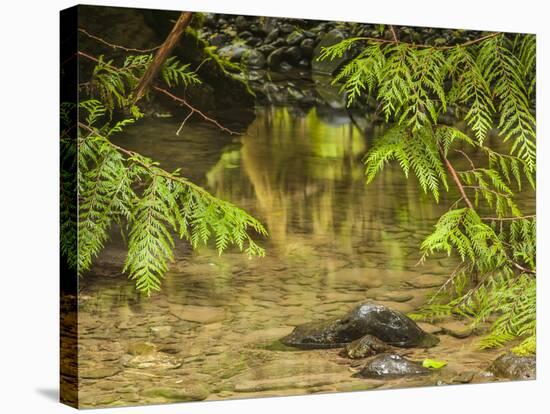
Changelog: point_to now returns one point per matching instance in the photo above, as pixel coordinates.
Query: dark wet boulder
(241, 23)
(272, 36)
(386, 366)
(368, 318)
(294, 38)
(287, 28)
(307, 46)
(293, 55)
(329, 66)
(304, 63)
(253, 59)
(364, 347)
(278, 42)
(257, 30)
(219, 39)
(245, 35)
(275, 58)
(234, 52)
(266, 49)
(254, 42)
(514, 367)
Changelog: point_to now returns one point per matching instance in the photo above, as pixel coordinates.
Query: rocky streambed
(226, 327)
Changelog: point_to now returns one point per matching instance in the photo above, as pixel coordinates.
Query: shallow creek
(334, 241)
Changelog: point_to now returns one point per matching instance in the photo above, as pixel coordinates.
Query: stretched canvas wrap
(267, 206)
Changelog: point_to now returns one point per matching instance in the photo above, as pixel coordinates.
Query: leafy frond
(116, 185)
(416, 150)
(489, 84)
(112, 86)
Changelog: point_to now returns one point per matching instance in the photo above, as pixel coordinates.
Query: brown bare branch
(162, 54)
(394, 35)
(459, 185)
(169, 94)
(114, 46)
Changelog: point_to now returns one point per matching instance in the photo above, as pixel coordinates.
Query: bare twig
(394, 35)
(169, 94)
(444, 286)
(459, 185)
(467, 157)
(114, 46)
(184, 121)
(157, 171)
(162, 54)
(188, 105)
(508, 218)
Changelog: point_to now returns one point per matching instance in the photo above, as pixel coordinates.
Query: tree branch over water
(176, 98)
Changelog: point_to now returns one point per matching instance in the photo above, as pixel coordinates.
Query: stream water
(333, 241)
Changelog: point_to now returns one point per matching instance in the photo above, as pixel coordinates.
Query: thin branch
(508, 218)
(114, 46)
(467, 157)
(444, 286)
(394, 34)
(162, 54)
(151, 168)
(192, 108)
(479, 188)
(183, 123)
(459, 185)
(169, 94)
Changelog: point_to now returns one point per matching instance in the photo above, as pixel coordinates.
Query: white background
(29, 211)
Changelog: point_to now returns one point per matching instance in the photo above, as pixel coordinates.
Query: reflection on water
(334, 241)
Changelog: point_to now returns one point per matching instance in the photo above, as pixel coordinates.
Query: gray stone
(514, 367)
(293, 55)
(307, 46)
(328, 66)
(294, 38)
(275, 58)
(272, 36)
(241, 23)
(219, 39)
(386, 366)
(367, 318)
(233, 53)
(365, 347)
(287, 28)
(253, 59)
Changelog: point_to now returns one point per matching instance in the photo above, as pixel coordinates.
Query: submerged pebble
(386, 366)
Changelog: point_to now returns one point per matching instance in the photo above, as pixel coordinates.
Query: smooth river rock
(368, 318)
(200, 314)
(514, 367)
(385, 366)
(365, 347)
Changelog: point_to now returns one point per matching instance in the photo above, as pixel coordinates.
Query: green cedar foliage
(113, 84)
(114, 185)
(489, 84)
